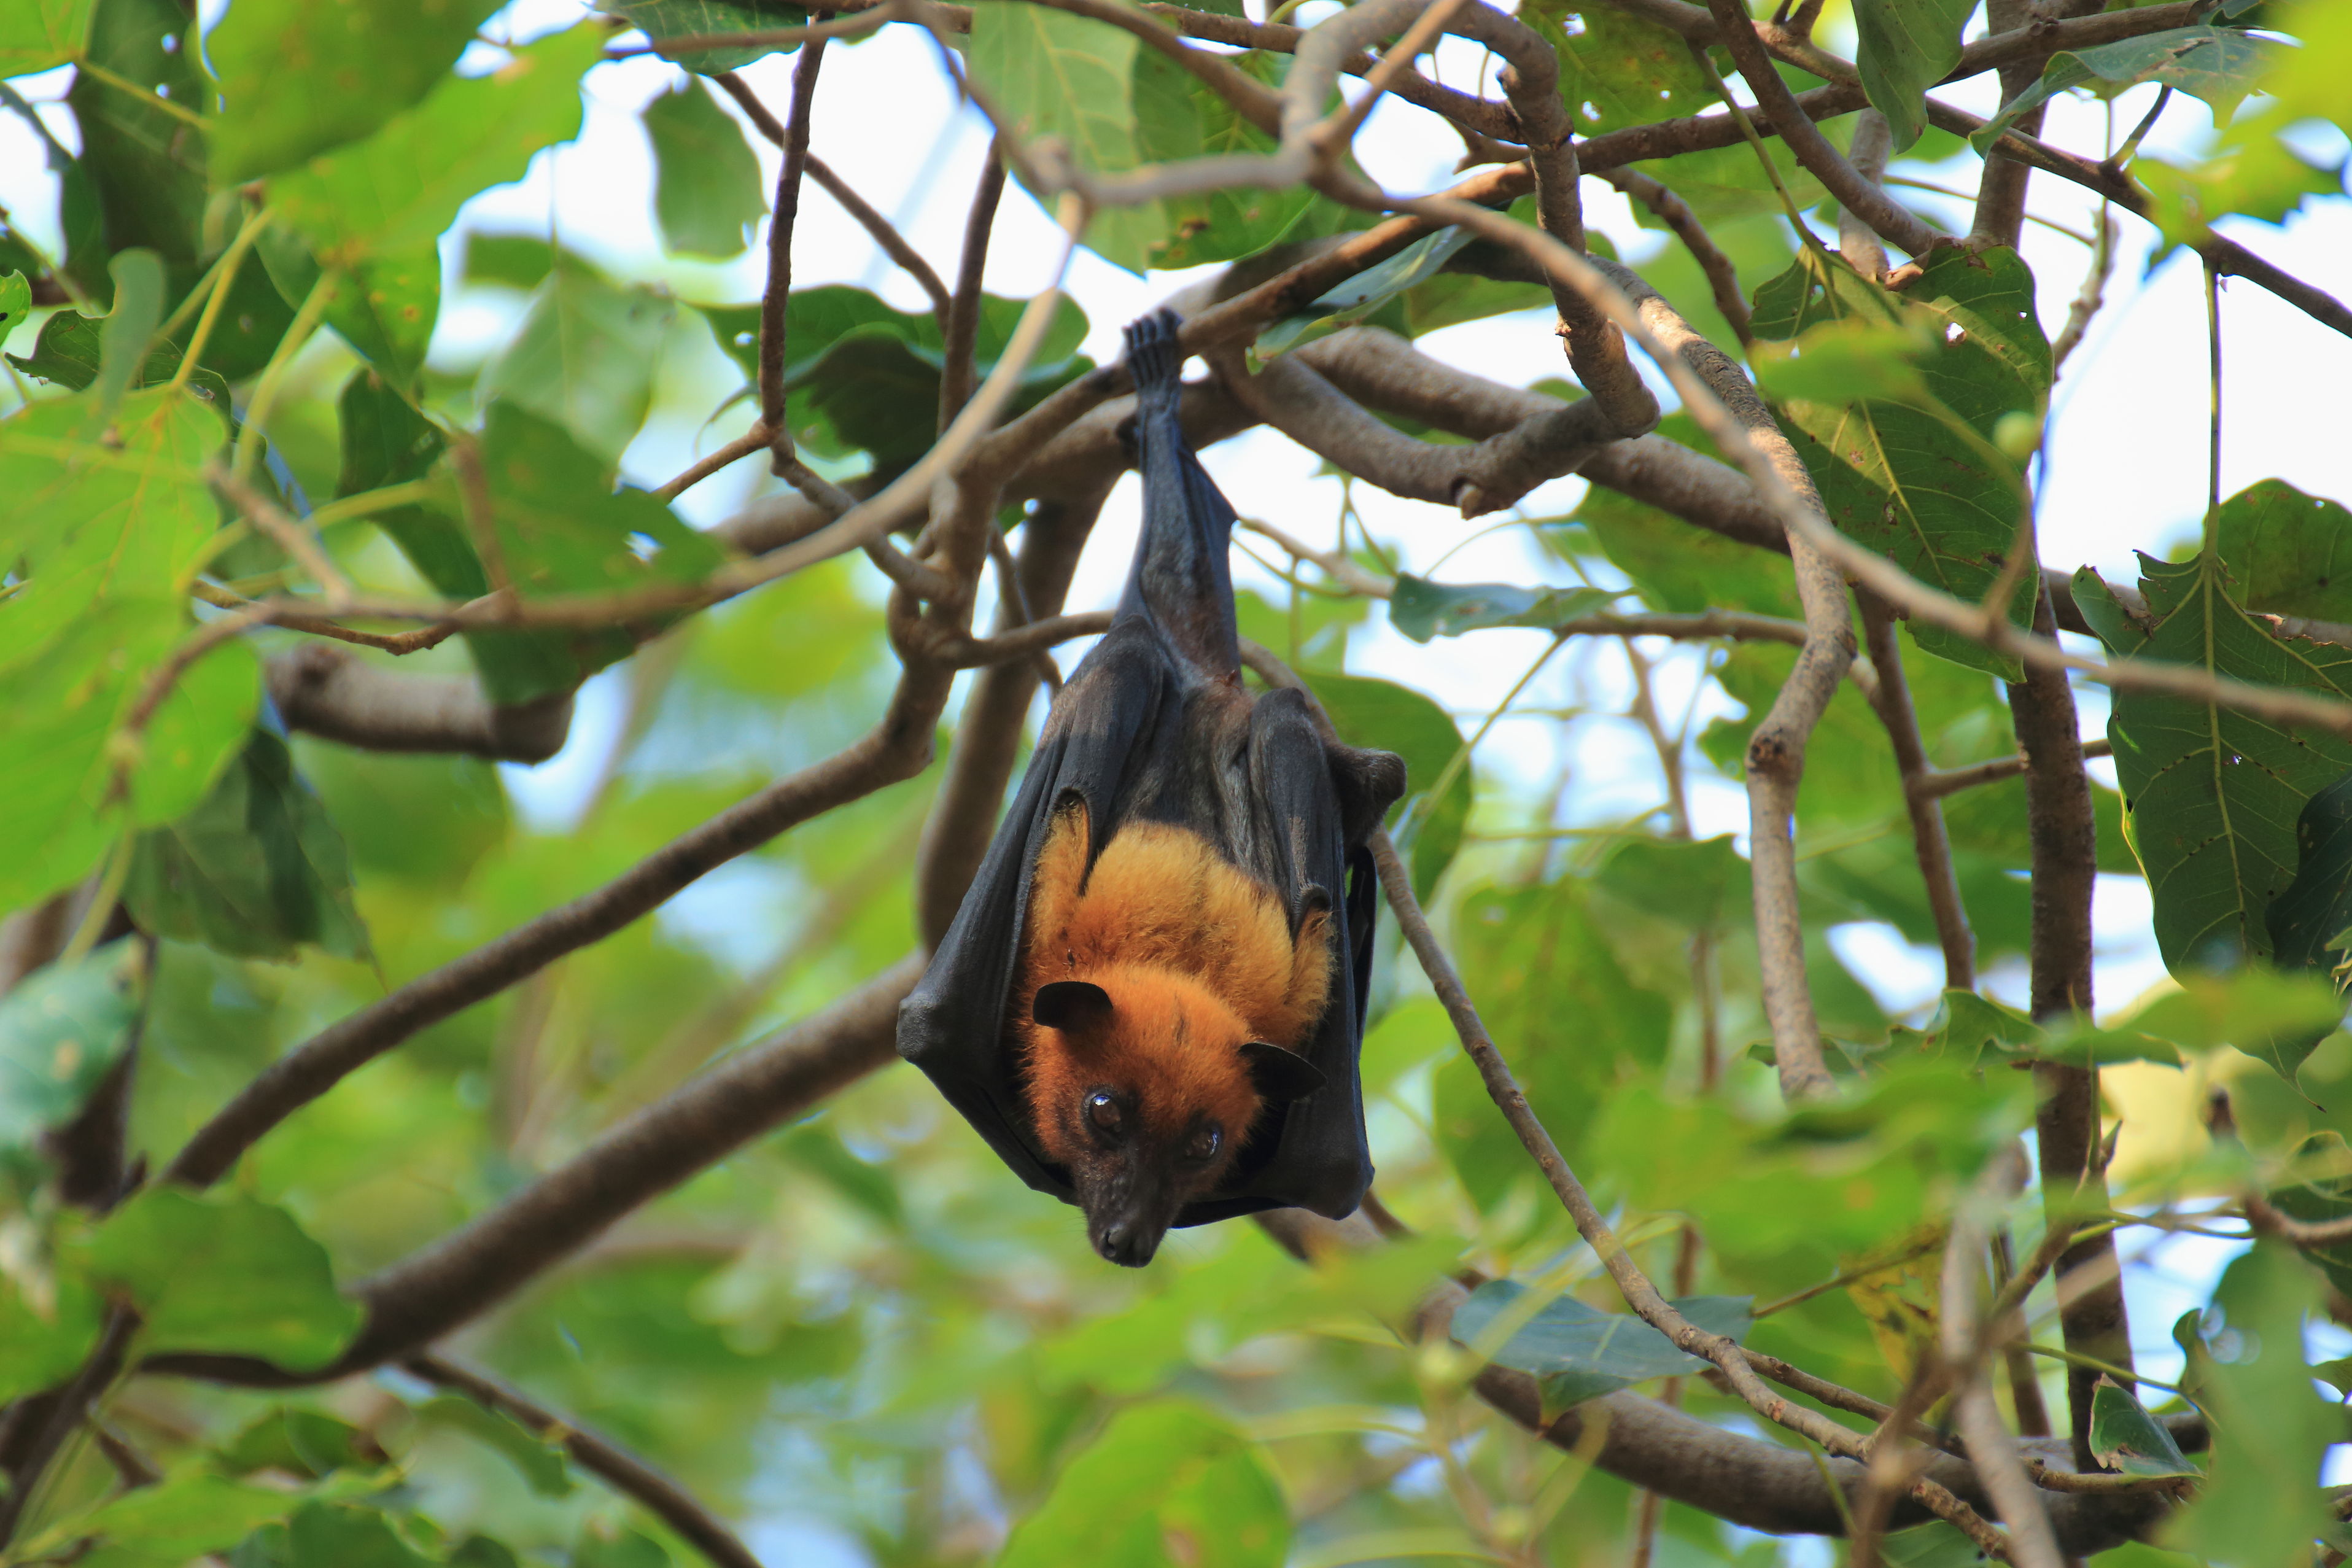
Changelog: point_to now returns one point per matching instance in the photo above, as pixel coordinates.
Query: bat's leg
(1181, 579)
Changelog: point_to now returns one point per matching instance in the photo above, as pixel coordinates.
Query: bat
(1151, 1000)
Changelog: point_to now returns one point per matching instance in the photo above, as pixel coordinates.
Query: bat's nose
(1126, 1244)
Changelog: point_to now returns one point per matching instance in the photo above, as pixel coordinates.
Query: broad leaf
(1617, 68)
(540, 1459)
(1168, 1482)
(193, 1513)
(400, 189)
(2261, 1504)
(2323, 1193)
(1906, 48)
(324, 1534)
(1392, 718)
(1051, 73)
(1178, 117)
(69, 349)
(2219, 65)
(707, 188)
(225, 1273)
(1360, 296)
(2211, 794)
(2288, 554)
(2308, 920)
(1422, 609)
(36, 35)
(144, 165)
(2126, 1438)
(62, 1029)
(301, 1442)
(1919, 480)
(1696, 884)
(49, 1322)
(585, 359)
(256, 870)
(383, 305)
(297, 78)
(1577, 1352)
(663, 20)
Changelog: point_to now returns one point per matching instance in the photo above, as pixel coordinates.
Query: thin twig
(785, 213)
(892, 243)
(960, 323)
(755, 439)
(1934, 784)
(627, 1474)
(284, 531)
(1930, 845)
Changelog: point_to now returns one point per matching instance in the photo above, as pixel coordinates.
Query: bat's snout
(1128, 1242)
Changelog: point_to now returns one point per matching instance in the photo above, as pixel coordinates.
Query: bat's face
(1145, 1085)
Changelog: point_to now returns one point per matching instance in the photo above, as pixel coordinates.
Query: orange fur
(1197, 957)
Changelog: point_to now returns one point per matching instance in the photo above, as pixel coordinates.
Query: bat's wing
(1119, 709)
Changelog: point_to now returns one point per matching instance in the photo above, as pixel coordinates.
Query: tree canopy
(402, 1165)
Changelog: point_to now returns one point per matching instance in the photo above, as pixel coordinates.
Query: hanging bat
(1151, 1001)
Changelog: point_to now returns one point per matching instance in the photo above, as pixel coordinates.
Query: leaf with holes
(1921, 481)
(1906, 46)
(1616, 69)
(1421, 609)
(2211, 796)
(1577, 1352)
(2219, 65)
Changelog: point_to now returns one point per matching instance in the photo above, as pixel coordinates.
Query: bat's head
(1145, 1083)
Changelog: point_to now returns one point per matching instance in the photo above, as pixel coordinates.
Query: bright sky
(2129, 440)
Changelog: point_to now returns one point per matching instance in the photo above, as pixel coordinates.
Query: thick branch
(455, 1278)
(627, 1474)
(2064, 843)
(330, 693)
(897, 749)
(1722, 277)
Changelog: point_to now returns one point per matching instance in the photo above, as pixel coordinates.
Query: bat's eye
(1102, 1109)
(1205, 1143)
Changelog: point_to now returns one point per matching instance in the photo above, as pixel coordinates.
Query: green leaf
(393, 195)
(297, 78)
(512, 260)
(2212, 795)
(1693, 884)
(2288, 554)
(2263, 1503)
(2308, 918)
(601, 1548)
(124, 335)
(2126, 1438)
(1618, 69)
(193, 1512)
(16, 302)
(1387, 717)
(1919, 480)
(48, 1324)
(144, 165)
(1168, 1483)
(306, 1443)
(424, 820)
(1906, 46)
(1534, 956)
(661, 20)
(1845, 362)
(1421, 609)
(708, 195)
(1178, 117)
(541, 1461)
(1360, 296)
(2323, 1193)
(1938, 1545)
(225, 1273)
(2308, 82)
(1071, 77)
(333, 1535)
(2219, 65)
(36, 35)
(584, 359)
(62, 1029)
(1577, 1352)
(254, 871)
(66, 352)
(2263, 177)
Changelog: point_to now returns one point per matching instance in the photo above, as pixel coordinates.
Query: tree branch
(627, 1474)
(330, 693)
(465, 1272)
(1722, 277)
(960, 325)
(785, 213)
(895, 749)
(1928, 840)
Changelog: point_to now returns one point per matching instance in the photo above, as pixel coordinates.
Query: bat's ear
(1280, 1076)
(1070, 1005)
